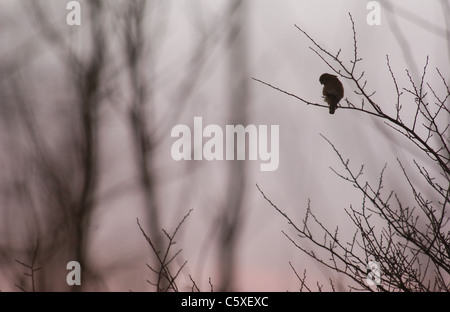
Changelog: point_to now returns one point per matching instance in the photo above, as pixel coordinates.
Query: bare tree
(166, 280)
(58, 194)
(139, 120)
(410, 241)
(31, 269)
(231, 215)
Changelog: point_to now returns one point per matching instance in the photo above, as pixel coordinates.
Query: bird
(333, 91)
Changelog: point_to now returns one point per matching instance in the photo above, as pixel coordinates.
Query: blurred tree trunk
(232, 217)
(88, 86)
(62, 179)
(140, 120)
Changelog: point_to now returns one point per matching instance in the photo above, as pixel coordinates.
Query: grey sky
(278, 54)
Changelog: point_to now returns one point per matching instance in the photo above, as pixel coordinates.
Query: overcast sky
(279, 54)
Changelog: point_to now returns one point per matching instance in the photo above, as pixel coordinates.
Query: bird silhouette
(333, 91)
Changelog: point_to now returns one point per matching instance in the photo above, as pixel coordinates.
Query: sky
(276, 53)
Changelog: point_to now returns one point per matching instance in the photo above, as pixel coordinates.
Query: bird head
(324, 78)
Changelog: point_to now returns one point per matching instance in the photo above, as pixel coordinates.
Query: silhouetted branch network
(32, 269)
(166, 280)
(411, 243)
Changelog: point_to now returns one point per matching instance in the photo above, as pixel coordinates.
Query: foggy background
(87, 111)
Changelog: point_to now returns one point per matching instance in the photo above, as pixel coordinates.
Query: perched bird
(333, 91)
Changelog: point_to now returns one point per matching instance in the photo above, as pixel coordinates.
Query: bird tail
(332, 108)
